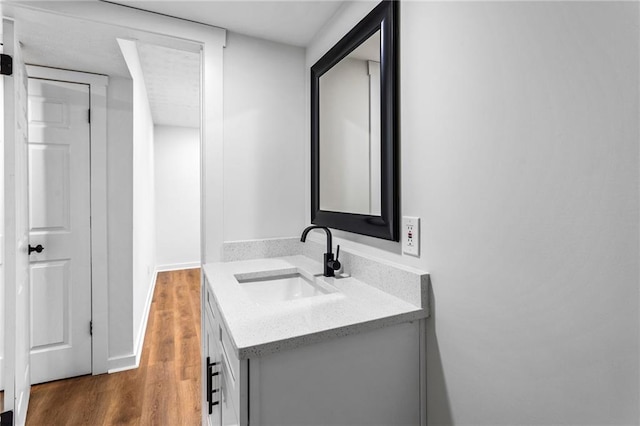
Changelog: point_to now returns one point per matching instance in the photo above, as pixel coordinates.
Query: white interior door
(59, 199)
(17, 372)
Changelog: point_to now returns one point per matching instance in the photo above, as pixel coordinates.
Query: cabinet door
(212, 379)
(229, 413)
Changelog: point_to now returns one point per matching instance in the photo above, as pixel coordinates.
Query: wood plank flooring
(164, 390)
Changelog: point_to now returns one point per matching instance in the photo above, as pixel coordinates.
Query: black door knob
(37, 249)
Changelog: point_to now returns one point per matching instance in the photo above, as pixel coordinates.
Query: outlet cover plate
(411, 235)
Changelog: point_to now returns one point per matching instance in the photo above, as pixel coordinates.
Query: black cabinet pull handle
(208, 381)
(37, 249)
(210, 390)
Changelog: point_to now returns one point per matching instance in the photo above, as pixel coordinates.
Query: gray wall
(519, 127)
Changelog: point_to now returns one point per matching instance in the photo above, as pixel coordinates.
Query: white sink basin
(275, 286)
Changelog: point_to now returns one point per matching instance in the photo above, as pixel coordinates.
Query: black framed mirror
(354, 129)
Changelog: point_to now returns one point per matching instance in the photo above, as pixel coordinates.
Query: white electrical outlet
(411, 235)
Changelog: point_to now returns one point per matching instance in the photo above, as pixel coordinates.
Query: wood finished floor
(164, 390)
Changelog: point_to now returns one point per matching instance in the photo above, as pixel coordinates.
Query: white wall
(120, 219)
(177, 196)
(519, 126)
(264, 139)
(144, 229)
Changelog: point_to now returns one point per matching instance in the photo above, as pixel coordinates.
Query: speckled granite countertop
(260, 329)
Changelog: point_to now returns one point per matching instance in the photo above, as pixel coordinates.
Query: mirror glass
(354, 129)
(350, 132)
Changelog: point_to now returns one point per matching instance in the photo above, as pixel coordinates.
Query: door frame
(99, 250)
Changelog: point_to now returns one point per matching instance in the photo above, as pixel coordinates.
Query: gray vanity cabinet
(367, 378)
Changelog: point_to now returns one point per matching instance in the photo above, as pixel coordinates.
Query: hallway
(164, 390)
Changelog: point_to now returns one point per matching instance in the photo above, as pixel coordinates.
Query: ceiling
(172, 74)
(290, 22)
(62, 42)
(172, 79)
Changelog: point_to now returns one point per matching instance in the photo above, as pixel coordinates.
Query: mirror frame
(383, 17)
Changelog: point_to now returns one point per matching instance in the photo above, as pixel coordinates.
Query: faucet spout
(303, 237)
(330, 264)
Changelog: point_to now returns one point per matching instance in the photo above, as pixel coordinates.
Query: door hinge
(89, 116)
(6, 418)
(91, 328)
(6, 64)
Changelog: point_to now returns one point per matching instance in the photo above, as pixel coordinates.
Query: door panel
(51, 112)
(50, 299)
(49, 174)
(59, 196)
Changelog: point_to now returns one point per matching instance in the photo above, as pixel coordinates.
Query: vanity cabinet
(219, 380)
(375, 377)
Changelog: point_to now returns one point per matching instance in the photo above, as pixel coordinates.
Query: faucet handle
(335, 263)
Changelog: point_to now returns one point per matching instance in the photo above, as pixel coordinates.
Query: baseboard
(122, 363)
(131, 361)
(177, 266)
(145, 318)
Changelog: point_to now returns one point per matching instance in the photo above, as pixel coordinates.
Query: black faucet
(330, 264)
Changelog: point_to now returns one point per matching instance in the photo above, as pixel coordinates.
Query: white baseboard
(122, 363)
(145, 317)
(177, 266)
